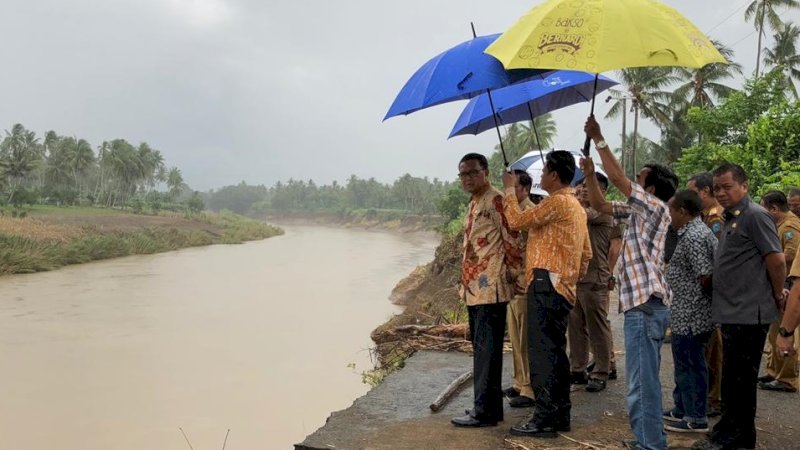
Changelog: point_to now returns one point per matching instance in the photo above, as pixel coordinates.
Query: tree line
(415, 195)
(66, 170)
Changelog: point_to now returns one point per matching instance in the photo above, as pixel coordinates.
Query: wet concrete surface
(395, 415)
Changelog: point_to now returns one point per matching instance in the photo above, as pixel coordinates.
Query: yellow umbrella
(600, 35)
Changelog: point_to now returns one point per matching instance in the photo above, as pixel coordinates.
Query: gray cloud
(264, 91)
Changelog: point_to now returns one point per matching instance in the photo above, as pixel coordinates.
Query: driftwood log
(451, 389)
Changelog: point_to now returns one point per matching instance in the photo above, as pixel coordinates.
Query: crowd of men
(705, 261)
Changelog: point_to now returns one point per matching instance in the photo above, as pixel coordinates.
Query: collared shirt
(492, 259)
(558, 239)
(693, 259)
(522, 242)
(602, 230)
(789, 233)
(742, 288)
(642, 271)
(712, 217)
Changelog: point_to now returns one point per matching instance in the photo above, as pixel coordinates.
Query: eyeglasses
(471, 174)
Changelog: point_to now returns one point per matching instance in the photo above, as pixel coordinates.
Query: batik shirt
(492, 259)
(558, 238)
(693, 259)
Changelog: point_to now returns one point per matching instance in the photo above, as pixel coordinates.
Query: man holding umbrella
(644, 294)
(557, 256)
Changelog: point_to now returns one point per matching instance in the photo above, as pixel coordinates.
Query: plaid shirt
(642, 272)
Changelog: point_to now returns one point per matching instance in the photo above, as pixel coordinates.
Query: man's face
(728, 191)
(548, 179)
(473, 177)
(794, 204)
(521, 191)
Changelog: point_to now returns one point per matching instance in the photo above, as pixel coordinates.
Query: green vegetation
(32, 245)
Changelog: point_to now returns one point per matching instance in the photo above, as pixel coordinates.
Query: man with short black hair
(644, 294)
(557, 256)
(781, 371)
(588, 321)
(703, 184)
(491, 262)
(689, 276)
(520, 394)
(794, 201)
(749, 272)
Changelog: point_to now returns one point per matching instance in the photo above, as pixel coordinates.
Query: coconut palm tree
(644, 88)
(766, 11)
(174, 182)
(783, 55)
(702, 87)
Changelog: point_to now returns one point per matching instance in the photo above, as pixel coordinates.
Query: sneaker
(671, 416)
(595, 385)
(777, 386)
(687, 427)
(578, 378)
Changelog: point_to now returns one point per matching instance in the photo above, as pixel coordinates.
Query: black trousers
(742, 346)
(487, 326)
(548, 316)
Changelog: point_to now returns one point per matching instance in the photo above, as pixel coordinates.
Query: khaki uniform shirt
(491, 257)
(789, 232)
(602, 230)
(712, 217)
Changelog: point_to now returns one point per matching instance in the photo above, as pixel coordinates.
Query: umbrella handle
(588, 141)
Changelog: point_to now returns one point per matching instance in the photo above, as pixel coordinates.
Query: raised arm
(597, 199)
(612, 167)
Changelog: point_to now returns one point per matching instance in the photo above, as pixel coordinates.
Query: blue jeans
(645, 327)
(691, 377)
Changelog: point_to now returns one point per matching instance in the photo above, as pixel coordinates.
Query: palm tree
(539, 134)
(766, 10)
(644, 88)
(79, 158)
(703, 86)
(174, 182)
(19, 156)
(783, 55)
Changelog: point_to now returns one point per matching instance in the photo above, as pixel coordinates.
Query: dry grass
(37, 230)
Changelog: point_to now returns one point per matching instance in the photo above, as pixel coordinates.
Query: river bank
(52, 237)
(369, 219)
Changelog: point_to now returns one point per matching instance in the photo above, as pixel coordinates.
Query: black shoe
(562, 425)
(511, 392)
(470, 422)
(595, 385)
(777, 386)
(613, 374)
(766, 379)
(521, 401)
(578, 378)
(714, 411)
(531, 429)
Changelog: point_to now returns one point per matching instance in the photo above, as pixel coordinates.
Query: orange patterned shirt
(492, 259)
(558, 238)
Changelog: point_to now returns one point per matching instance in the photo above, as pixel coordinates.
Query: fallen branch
(450, 390)
(586, 444)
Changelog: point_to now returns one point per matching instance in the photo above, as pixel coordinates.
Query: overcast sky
(261, 91)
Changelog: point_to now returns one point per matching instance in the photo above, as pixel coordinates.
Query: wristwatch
(601, 144)
(785, 333)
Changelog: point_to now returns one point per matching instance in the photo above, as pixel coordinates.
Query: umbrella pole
(491, 103)
(497, 127)
(594, 94)
(535, 133)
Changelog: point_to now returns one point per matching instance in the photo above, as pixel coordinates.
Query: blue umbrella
(459, 73)
(533, 163)
(524, 101)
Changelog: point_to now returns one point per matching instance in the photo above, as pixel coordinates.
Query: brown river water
(255, 338)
